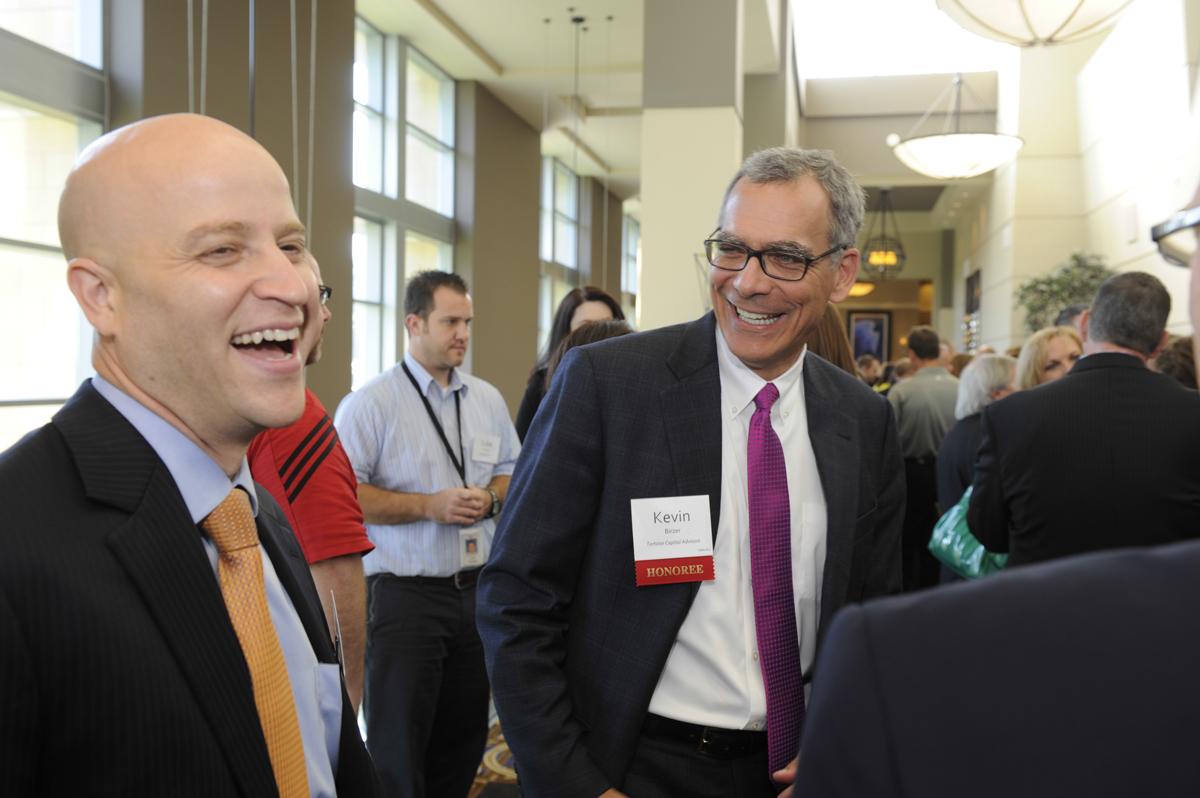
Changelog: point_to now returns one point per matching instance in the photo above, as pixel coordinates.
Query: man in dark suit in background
(1104, 457)
(122, 672)
(694, 688)
(1071, 678)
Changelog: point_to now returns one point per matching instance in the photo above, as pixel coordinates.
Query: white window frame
(390, 207)
(38, 76)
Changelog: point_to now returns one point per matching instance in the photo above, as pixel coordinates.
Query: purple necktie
(771, 575)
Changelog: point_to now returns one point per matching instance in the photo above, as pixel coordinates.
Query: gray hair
(847, 200)
(982, 376)
(1130, 310)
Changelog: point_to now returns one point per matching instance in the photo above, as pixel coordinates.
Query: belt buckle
(460, 580)
(703, 746)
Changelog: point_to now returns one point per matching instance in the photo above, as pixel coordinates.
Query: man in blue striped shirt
(433, 449)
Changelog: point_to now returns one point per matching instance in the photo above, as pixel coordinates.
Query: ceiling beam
(463, 37)
(585, 149)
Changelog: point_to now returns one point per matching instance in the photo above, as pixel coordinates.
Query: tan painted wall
(497, 206)
(149, 77)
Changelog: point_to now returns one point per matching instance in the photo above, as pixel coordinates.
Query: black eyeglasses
(789, 265)
(325, 292)
(1177, 237)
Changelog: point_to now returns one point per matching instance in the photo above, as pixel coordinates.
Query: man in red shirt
(306, 470)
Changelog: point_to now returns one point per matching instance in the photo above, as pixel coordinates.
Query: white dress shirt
(393, 445)
(712, 676)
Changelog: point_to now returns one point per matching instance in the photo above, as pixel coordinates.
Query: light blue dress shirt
(315, 686)
(393, 445)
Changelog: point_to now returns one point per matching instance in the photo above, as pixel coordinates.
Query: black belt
(928, 459)
(463, 580)
(707, 740)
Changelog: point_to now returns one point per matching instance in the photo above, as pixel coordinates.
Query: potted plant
(1074, 282)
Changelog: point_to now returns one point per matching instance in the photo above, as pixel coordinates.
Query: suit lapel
(292, 570)
(832, 433)
(691, 412)
(160, 548)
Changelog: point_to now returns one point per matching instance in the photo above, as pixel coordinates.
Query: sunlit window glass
(366, 249)
(429, 157)
(72, 27)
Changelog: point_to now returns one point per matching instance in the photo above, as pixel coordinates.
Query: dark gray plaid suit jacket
(573, 647)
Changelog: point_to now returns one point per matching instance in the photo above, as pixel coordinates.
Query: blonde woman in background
(1047, 355)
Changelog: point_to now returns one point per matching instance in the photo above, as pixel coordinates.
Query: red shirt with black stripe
(306, 470)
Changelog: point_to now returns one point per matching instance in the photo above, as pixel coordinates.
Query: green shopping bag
(960, 551)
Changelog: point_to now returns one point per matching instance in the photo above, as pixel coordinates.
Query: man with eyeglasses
(1076, 677)
(691, 507)
(306, 470)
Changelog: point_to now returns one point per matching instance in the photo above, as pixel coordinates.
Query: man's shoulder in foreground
(911, 692)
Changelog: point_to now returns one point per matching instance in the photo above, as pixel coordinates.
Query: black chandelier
(883, 253)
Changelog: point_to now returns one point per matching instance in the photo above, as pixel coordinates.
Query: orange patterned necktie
(231, 527)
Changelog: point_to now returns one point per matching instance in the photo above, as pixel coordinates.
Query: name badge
(486, 449)
(470, 547)
(672, 540)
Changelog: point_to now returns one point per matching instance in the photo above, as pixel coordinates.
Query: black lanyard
(460, 461)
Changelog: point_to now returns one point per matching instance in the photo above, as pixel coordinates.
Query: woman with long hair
(577, 308)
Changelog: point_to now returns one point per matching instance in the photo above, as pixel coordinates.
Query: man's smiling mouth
(280, 339)
(757, 319)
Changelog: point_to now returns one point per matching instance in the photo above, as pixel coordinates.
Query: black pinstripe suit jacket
(573, 647)
(1105, 457)
(120, 673)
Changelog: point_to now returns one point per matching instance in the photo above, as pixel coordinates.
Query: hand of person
(457, 506)
(485, 503)
(786, 776)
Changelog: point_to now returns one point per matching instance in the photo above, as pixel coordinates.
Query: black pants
(426, 691)
(921, 569)
(663, 768)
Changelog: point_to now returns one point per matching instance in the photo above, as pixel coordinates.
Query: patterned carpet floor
(496, 777)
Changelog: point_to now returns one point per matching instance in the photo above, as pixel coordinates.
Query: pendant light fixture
(883, 254)
(953, 153)
(1026, 23)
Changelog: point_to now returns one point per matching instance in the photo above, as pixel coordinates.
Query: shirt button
(754, 656)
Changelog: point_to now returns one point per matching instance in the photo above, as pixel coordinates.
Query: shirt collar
(739, 385)
(424, 378)
(200, 480)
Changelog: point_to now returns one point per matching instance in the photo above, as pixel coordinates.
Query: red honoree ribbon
(674, 569)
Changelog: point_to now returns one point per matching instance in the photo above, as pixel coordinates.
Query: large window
(631, 266)
(404, 179)
(49, 342)
(369, 126)
(559, 242)
(72, 27)
(560, 214)
(429, 160)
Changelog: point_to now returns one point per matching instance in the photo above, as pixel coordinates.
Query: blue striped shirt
(392, 444)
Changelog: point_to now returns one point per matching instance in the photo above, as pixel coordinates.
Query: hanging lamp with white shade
(954, 153)
(1026, 23)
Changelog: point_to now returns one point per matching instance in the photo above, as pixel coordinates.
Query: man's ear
(1084, 318)
(1162, 344)
(412, 323)
(94, 287)
(843, 278)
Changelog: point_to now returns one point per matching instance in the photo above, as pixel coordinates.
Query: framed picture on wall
(870, 333)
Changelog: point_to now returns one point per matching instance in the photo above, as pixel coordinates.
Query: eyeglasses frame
(1188, 217)
(762, 264)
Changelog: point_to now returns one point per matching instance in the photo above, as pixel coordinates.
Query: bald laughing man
(121, 671)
